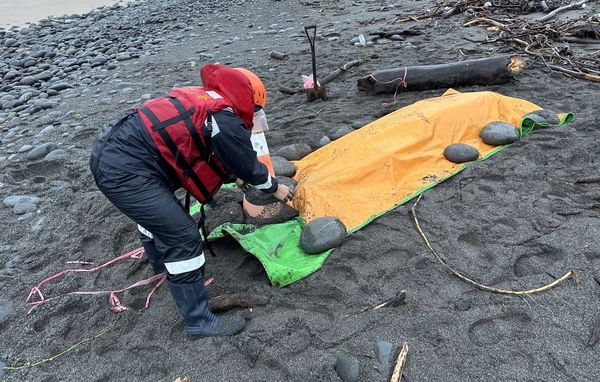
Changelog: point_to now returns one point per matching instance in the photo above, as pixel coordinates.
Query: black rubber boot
(192, 301)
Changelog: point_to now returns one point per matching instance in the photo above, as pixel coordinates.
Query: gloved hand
(283, 193)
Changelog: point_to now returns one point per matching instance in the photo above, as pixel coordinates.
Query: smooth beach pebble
(499, 133)
(347, 368)
(324, 141)
(283, 167)
(546, 117)
(383, 352)
(461, 153)
(294, 152)
(322, 234)
(41, 151)
(11, 201)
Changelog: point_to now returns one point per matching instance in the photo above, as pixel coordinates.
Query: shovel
(316, 91)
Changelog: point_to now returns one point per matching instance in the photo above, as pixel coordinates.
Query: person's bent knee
(186, 271)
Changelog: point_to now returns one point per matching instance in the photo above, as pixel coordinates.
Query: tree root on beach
(397, 300)
(328, 78)
(28, 365)
(476, 284)
(400, 362)
(545, 38)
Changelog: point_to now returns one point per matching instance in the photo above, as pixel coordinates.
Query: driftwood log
(484, 71)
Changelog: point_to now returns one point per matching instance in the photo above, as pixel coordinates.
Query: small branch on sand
(572, 73)
(227, 302)
(397, 300)
(400, 362)
(595, 333)
(480, 286)
(328, 78)
(595, 179)
(561, 9)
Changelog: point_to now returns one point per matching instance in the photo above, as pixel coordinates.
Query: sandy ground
(514, 221)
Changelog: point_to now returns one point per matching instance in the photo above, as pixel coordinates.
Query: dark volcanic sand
(511, 222)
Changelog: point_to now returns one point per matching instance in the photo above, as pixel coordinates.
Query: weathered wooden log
(484, 71)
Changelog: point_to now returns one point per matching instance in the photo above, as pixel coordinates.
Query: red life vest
(180, 126)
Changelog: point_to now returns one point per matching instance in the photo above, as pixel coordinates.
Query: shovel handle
(311, 40)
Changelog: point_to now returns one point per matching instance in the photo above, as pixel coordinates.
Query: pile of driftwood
(543, 38)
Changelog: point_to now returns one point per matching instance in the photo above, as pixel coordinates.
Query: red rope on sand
(116, 305)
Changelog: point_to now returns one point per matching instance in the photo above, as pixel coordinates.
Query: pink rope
(116, 305)
(402, 85)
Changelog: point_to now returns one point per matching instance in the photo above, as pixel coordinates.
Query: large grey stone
(41, 151)
(25, 148)
(461, 153)
(296, 151)
(499, 133)
(283, 167)
(383, 352)
(23, 208)
(358, 124)
(59, 86)
(10, 42)
(342, 131)
(55, 155)
(27, 80)
(347, 368)
(546, 117)
(13, 200)
(324, 141)
(44, 76)
(322, 234)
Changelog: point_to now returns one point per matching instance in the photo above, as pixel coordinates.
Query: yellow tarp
(370, 171)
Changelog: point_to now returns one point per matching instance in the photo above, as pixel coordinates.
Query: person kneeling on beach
(197, 138)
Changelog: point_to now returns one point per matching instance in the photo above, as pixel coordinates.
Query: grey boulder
(324, 141)
(23, 208)
(461, 153)
(41, 151)
(283, 167)
(342, 131)
(294, 152)
(11, 201)
(499, 133)
(347, 368)
(383, 352)
(55, 155)
(545, 117)
(323, 234)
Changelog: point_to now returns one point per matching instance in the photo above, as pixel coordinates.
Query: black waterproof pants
(128, 172)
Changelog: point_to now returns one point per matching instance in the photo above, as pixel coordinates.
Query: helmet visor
(260, 121)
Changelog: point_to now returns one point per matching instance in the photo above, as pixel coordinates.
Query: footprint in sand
(492, 330)
(536, 263)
